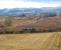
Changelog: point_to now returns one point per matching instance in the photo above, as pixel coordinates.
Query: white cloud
(17, 4)
(7, 0)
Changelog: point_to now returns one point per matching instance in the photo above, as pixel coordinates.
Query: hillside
(53, 23)
(46, 19)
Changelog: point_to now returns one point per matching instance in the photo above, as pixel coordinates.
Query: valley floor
(36, 41)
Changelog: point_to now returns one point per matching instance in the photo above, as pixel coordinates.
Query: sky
(29, 3)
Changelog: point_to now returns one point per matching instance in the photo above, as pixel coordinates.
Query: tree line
(8, 30)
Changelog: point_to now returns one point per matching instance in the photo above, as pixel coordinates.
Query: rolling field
(36, 41)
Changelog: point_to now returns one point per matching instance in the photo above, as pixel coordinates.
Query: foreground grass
(36, 41)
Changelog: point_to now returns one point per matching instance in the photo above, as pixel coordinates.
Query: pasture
(35, 41)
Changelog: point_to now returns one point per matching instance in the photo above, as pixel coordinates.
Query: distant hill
(28, 11)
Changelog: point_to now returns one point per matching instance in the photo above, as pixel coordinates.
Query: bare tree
(8, 21)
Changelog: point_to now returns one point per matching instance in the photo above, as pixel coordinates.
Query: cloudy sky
(29, 3)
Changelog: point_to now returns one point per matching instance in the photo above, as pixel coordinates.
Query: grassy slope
(47, 23)
(45, 41)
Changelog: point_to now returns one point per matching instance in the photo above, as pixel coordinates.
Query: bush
(50, 30)
(29, 30)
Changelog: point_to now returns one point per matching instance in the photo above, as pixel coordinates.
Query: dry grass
(36, 41)
(47, 23)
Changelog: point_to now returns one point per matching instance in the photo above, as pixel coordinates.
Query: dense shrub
(50, 30)
(26, 30)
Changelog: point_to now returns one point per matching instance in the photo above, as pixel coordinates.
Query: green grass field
(36, 41)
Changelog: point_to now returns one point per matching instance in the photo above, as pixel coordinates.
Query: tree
(8, 21)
